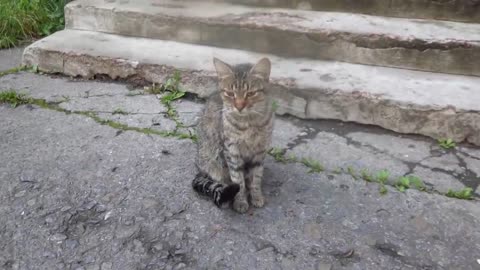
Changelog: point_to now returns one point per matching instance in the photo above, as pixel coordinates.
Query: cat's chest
(252, 140)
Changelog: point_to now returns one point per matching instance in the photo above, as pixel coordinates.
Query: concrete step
(436, 46)
(431, 104)
(459, 10)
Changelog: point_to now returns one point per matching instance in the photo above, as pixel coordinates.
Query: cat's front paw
(258, 200)
(240, 205)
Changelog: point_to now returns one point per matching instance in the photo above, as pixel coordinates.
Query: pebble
(71, 244)
(65, 208)
(180, 266)
(58, 237)
(323, 266)
(106, 266)
(20, 194)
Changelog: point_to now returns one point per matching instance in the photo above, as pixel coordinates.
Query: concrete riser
(303, 103)
(458, 10)
(452, 57)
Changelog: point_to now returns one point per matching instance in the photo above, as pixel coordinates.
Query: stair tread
(429, 91)
(431, 31)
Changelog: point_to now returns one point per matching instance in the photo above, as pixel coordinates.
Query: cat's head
(243, 88)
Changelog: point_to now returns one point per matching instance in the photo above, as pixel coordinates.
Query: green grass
(405, 182)
(447, 143)
(274, 105)
(351, 172)
(366, 175)
(313, 165)
(170, 91)
(278, 154)
(24, 20)
(13, 98)
(382, 176)
(464, 194)
(119, 111)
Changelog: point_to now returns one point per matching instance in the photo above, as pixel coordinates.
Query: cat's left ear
(261, 69)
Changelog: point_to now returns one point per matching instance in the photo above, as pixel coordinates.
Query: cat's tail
(220, 193)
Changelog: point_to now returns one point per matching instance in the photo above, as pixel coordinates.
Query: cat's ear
(261, 69)
(223, 69)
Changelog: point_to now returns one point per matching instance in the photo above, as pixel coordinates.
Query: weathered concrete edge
(303, 103)
(448, 56)
(463, 10)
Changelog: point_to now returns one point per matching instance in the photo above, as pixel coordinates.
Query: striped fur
(234, 133)
(220, 193)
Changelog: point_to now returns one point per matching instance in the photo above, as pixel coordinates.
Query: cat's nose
(240, 104)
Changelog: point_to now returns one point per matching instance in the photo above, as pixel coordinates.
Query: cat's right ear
(223, 69)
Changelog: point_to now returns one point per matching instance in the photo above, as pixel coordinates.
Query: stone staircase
(330, 60)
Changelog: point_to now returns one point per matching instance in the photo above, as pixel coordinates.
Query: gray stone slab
(117, 201)
(405, 149)
(143, 104)
(463, 10)
(285, 133)
(188, 112)
(55, 89)
(435, 105)
(334, 152)
(439, 181)
(10, 58)
(448, 162)
(446, 47)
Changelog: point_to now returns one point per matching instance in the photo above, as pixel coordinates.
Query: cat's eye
(228, 93)
(251, 94)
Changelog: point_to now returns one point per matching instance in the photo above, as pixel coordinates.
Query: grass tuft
(464, 194)
(313, 165)
(24, 20)
(447, 143)
(13, 98)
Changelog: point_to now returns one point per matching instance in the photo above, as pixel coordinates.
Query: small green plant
(382, 176)
(313, 165)
(447, 143)
(366, 175)
(14, 99)
(351, 171)
(291, 158)
(119, 111)
(274, 105)
(403, 183)
(337, 171)
(277, 153)
(417, 183)
(464, 194)
(383, 190)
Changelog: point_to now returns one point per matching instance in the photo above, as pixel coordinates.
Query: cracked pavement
(76, 194)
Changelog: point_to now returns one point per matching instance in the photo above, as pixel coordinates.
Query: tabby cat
(234, 134)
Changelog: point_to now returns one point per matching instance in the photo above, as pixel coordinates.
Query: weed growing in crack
(337, 171)
(367, 176)
(383, 190)
(382, 176)
(119, 111)
(313, 165)
(402, 184)
(447, 143)
(417, 183)
(351, 172)
(405, 182)
(464, 194)
(14, 99)
(274, 105)
(279, 155)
